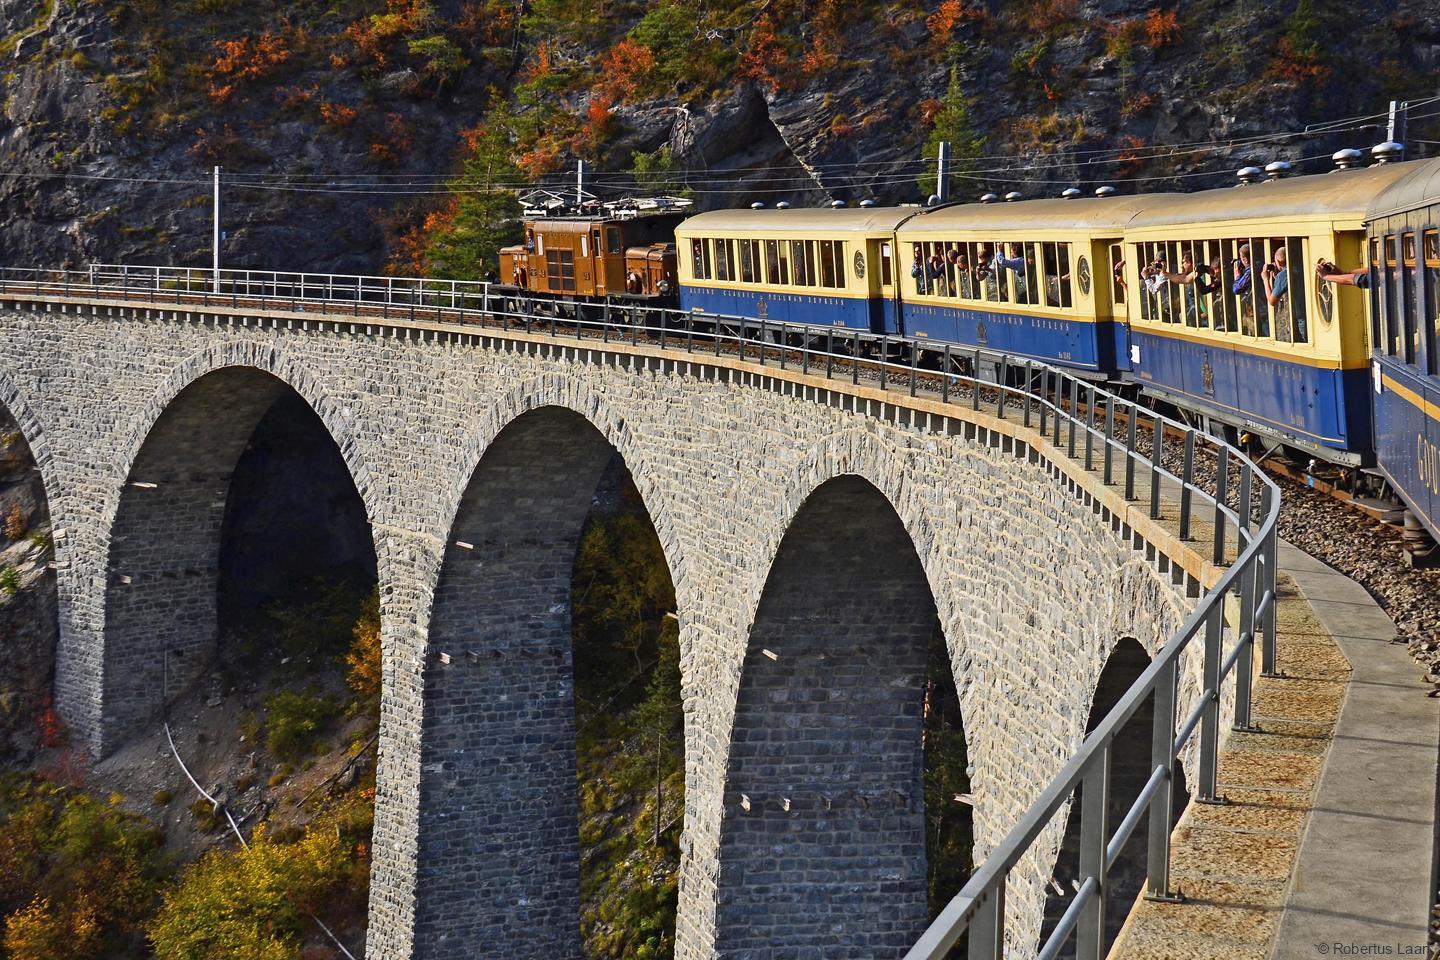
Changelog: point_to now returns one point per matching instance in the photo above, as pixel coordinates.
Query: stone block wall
(1030, 586)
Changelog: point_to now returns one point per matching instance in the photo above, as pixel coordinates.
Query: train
(1210, 304)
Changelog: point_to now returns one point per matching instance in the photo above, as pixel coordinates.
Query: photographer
(1276, 280)
(1326, 270)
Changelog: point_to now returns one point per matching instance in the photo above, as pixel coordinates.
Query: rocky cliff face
(808, 100)
(28, 626)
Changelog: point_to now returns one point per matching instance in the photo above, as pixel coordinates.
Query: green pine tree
(953, 124)
(487, 213)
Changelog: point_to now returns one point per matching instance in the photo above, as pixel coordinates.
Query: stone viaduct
(816, 533)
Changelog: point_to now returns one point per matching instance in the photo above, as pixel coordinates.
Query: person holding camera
(1276, 279)
(1326, 270)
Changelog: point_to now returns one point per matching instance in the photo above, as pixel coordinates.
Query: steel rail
(1037, 388)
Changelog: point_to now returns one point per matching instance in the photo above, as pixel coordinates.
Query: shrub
(1162, 28)
(14, 521)
(77, 876)
(626, 69)
(10, 581)
(248, 903)
(293, 722)
(948, 16)
(363, 659)
(163, 797)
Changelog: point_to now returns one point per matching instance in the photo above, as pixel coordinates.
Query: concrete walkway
(1364, 872)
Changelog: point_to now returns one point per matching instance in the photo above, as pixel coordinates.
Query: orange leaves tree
(241, 61)
(78, 876)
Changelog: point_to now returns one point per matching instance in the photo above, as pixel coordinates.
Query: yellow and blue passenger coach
(1032, 278)
(1403, 260)
(1228, 318)
(815, 266)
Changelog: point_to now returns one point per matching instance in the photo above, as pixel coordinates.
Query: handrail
(1048, 399)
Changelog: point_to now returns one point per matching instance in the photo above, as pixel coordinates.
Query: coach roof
(1344, 194)
(1419, 187)
(1090, 214)
(871, 221)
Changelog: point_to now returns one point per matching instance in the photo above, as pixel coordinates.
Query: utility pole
(215, 239)
(942, 171)
(579, 186)
(1399, 114)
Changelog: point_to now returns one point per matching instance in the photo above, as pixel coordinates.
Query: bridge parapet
(913, 433)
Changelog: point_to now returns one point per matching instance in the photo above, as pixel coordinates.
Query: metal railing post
(1026, 398)
(1074, 416)
(1162, 754)
(1044, 404)
(884, 358)
(1242, 507)
(914, 359)
(1059, 412)
(1094, 837)
(1090, 430)
(1245, 659)
(855, 360)
(1268, 652)
(763, 335)
(1109, 440)
(975, 384)
(1210, 717)
(987, 927)
(1132, 425)
(1157, 454)
(829, 353)
(1222, 493)
(1004, 381)
(690, 331)
(1187, 480)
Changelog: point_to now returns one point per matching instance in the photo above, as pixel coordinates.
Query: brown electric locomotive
(581, 259)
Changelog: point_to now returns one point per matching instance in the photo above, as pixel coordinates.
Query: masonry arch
(29, 615)
(174, 518)
(498, 844)
(1130, 770)
(822, 836)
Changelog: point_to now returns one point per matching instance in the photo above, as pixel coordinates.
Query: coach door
(879, 282)
(1112, 306)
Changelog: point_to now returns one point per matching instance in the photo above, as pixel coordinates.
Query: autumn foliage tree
(77, 876)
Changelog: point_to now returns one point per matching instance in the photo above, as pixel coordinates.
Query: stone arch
(560, 392)
(822, 834)
(498, 846)
(1130, 769)
(164, 521)
(29, 606)
(31, 428)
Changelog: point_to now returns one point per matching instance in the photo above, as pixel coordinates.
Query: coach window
(1393, 318)
(1116, 267)
(887, 275)
(747, 262)
(1411, 334)
(722, 260)
(1430, 330)
(1377, 298)
(827, 263)
(699, 260)
(783, 277)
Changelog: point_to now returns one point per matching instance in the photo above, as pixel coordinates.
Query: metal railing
(1078, 417)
